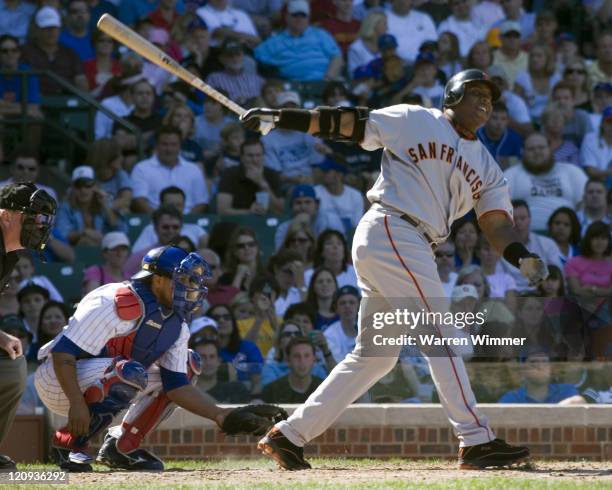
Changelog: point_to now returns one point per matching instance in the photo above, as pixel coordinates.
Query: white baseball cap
(510, 26)
(298, 7)
(288, 97)
(48, 17)
(115, 239)
(84, 172)
(464, 291)
(202, 322)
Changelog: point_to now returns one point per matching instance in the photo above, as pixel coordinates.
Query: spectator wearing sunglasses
(242, 259)
(275, 366)
(86, 215)
(25, 167)
(445, 260)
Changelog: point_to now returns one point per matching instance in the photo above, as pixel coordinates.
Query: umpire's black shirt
(7, 263)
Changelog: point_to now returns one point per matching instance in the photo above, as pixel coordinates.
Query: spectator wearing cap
(553, 124)
(601, 69)
(11, 94)
(410, 27)
(545, 184)
(120, 104)
(503, 143)
(301, 52)
(518, 112)
(341, 334)
(596, 149)
(32, 298)
(218, 379)
(225, 23)
(15, 18)
(250, 187)
(76, 34)
(143, 116)
(165, 168)
(343, 26)
(27, 275)
(170, 196)
(510, 56)
(131, 11)
(424, 81)
(514, 11)
(536, 382)
(337, 197)
(365, 48)
(115, 251)
(601, 97)
(86, 214)
(46, 53)
(292, 153)
(288, 270)
(105, 157)
(25, 167)
(240, 84)
(577, 121)
(217, 293)
(594, 205)
(300, 383)
(464, 25)
(306, 211)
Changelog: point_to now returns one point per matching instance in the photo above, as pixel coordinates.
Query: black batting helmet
(455, 87)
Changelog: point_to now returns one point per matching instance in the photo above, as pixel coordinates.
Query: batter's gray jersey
(429, 172)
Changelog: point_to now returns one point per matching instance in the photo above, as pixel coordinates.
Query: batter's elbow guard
(330, 123)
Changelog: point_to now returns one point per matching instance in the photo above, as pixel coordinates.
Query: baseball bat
(122, 33)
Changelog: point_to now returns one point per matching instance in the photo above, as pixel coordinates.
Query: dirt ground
(351, 473)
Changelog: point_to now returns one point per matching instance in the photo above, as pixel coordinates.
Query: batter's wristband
(294, 119)
(514, 252)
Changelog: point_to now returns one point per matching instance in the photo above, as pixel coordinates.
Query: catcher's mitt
(252, 419)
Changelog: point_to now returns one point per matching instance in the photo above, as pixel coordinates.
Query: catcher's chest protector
(155, 334)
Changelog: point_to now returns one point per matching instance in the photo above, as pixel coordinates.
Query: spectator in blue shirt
(537, 386)
(10, 85)
(504, 144)
(15, 18)
(301, 52)
(131, 11)
(76, 34)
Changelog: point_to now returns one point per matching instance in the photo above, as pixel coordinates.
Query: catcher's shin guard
(114, 392)
(157, 410)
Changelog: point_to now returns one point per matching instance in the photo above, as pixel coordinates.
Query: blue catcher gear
(161, 261)
(189, 288)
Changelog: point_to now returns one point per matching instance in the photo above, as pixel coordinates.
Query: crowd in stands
(282, 309)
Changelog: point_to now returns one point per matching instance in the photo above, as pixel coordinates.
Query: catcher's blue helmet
(161, 261)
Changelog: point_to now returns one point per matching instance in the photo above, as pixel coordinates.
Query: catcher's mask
(189, 289)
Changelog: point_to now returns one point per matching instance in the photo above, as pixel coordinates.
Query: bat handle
(265, 127)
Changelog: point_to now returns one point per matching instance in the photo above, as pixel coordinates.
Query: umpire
(26, 217)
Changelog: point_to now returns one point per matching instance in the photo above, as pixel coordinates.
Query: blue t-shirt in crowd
(247, 361)
(509, 145)
(10, 87)
(556, 393)
(80, 45)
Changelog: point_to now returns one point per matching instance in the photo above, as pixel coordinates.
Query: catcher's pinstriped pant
(89, 371)
(392, 261)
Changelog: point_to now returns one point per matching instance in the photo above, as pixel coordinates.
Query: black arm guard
(329, 123)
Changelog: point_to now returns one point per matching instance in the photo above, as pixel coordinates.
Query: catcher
(126, 348)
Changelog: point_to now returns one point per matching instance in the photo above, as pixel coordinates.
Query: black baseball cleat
(72, 461)
(496, 453)
(137, 460)
(7, 464)
(283, 451)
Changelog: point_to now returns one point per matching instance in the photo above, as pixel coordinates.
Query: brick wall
(415, 431)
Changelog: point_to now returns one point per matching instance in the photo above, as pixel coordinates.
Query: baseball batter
(433, 171)
(126, 347)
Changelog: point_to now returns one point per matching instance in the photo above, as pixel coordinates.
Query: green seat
(67, 278)
(88, 255)
(135, 224)
(204, 221)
